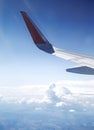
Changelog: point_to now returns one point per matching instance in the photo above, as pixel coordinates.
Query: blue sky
(68, 24)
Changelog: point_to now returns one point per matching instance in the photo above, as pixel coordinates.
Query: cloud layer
(61, 93)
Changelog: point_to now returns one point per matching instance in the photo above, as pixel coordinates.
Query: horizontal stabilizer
(81, 70)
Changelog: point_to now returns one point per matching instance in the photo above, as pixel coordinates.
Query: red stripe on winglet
(35, 33)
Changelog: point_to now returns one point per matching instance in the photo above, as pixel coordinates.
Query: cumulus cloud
(60, 93)
(52, 94)
(78, 86)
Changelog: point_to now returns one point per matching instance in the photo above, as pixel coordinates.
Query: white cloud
(21, 101)
(59, 93)
(52, 94)
(60, 104)
(78, 86)
(39, 101)
(71, 110)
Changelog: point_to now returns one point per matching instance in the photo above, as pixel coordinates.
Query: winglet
(34, 31)
(38, 38)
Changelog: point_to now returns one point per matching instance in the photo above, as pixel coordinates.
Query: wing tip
(22, 12)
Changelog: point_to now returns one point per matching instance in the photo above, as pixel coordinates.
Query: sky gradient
(67, 25)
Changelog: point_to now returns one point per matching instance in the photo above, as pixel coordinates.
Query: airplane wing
(86, 63)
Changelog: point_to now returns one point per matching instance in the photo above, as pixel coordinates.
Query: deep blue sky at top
(68, 24)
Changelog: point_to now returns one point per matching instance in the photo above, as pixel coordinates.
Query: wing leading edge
(86, 63)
